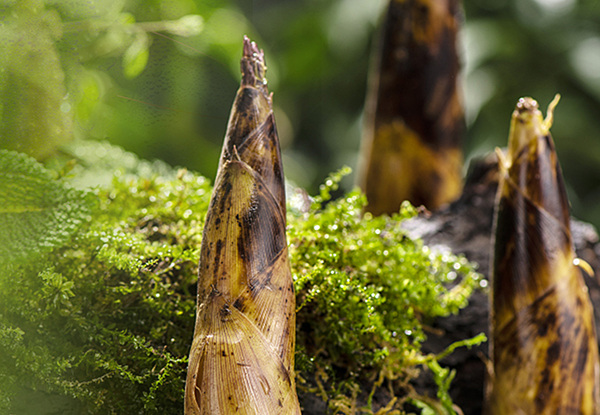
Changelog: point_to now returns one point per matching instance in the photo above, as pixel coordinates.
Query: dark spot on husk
(568, 320)
(421, 17)
(241, 248)
(547, 324)
(219, 248)
(552, 353)
(244, 108)
(225, 312)
(545, 388)
(239, 304)
(223, 192)
(582, 356)
(520, 255)
(260, 282)
(418, 68)
(214, 292)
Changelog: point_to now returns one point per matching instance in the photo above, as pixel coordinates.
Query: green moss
(364, 291)
(108, 318)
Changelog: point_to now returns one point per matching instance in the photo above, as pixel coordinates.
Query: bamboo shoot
(544, 350)
(242, 356)
(414, 116)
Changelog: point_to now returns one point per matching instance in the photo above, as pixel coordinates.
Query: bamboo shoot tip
(253, 64)
(527, 104)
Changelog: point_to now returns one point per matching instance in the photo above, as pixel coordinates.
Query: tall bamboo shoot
(414, 117)
(242, 356)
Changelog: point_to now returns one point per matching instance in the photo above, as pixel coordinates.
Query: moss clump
(107, 319)
(364, 291)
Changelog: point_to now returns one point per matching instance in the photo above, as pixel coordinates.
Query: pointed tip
(251, 50)
(527, 125)
(253, 64)
(527, 109)
(527, 104)
(247, 47)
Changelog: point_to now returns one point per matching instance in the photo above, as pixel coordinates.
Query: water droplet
(65, 107)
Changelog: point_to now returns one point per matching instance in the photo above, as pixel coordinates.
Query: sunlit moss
(364, 289)
(108, 318)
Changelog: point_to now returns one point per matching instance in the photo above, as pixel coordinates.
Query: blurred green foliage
(158, 77)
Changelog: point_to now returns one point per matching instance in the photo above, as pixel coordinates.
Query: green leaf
(136, 56)
(190, 25)
(428, 406)
(37, 213)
